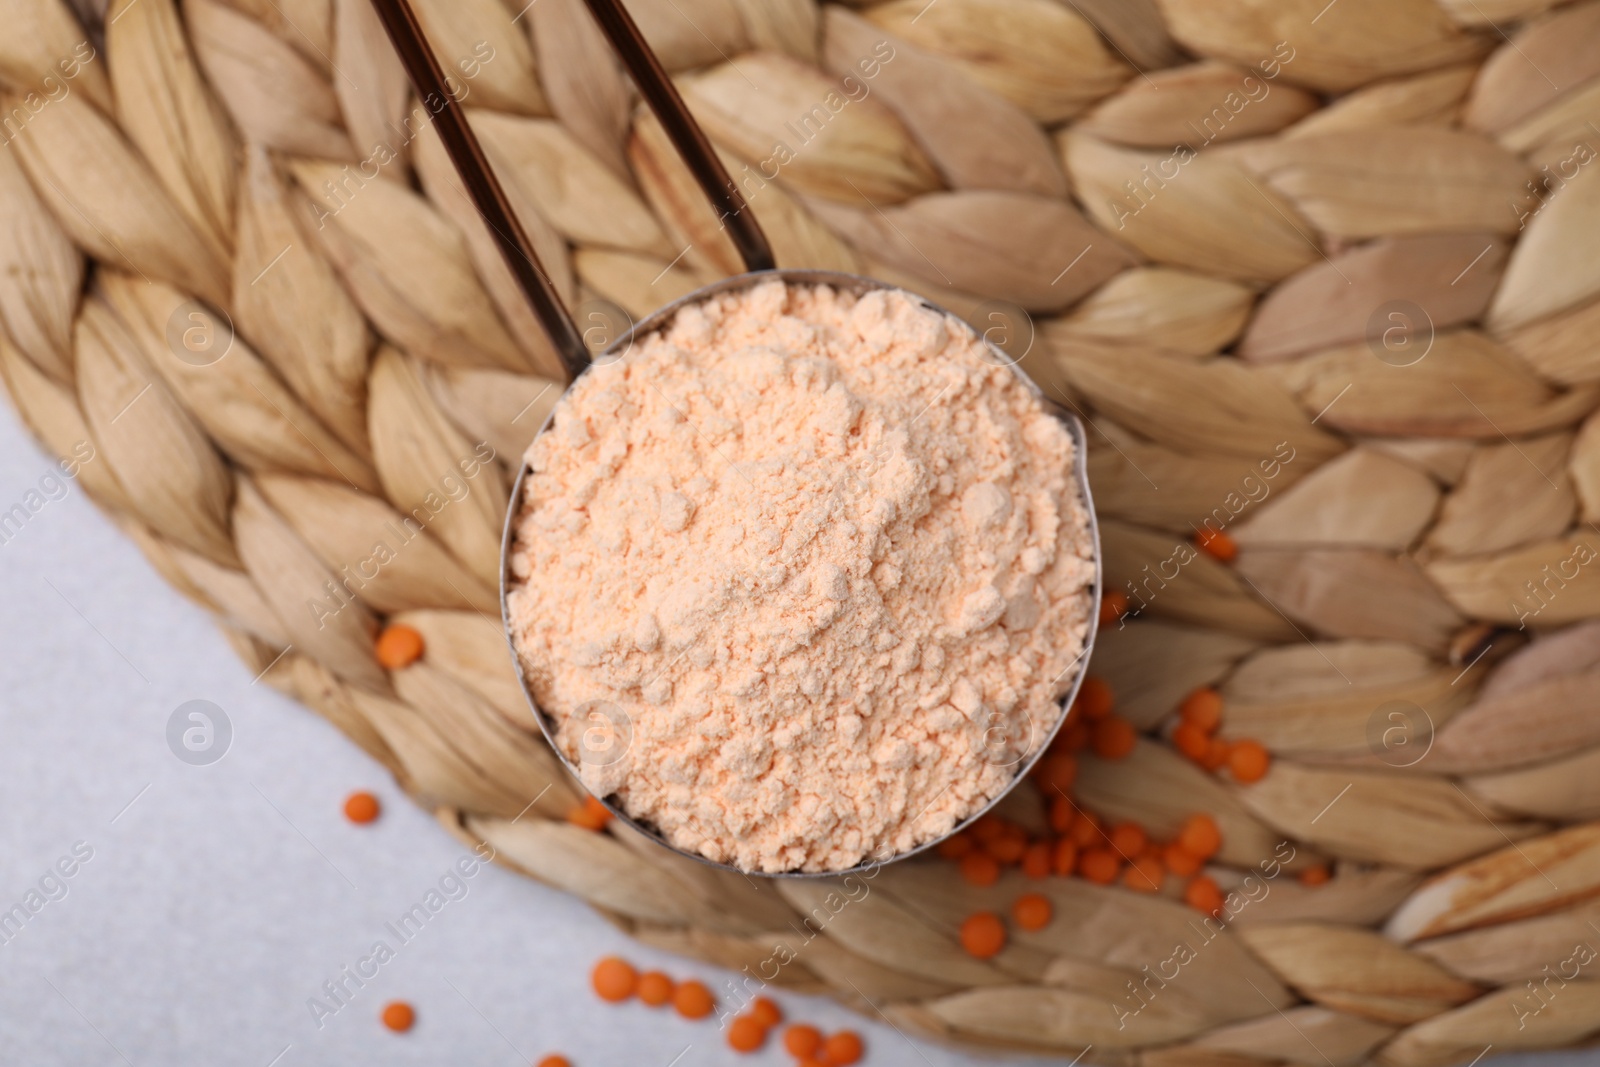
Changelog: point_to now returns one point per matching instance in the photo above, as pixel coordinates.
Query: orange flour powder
(801, 578)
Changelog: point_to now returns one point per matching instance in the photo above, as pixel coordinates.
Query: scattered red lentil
(614, 979)
(555, 1060)
(1074, 736)
(1217, 755)
(1315, 875)
(1144, 875)
(746, 1034)
(1113, 606)
(398, 646)
(1203, 895)
(591, 814)
(1129, 838)
(692, 999)
(1094, 699)
(953, 848)
(1085, 830)
(1203, 708)
(1249, 761)
(987, 828)
(1057, 771)
(1180, 861)
(1032, 911)
(1200, 836)
(801, 1040)
(980, 869)
(765, 1011)
(361, 807)
(1065, 857)
(1192, 741)
(399, 1016)
(1061, 813)
(1216, 544)
(1114, 738)
(842, 1049)
(983, 934)
(655, 988)
(1007, 849)
(1036, 860)
(1100, 865)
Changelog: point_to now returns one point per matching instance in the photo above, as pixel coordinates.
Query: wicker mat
(1321, 276)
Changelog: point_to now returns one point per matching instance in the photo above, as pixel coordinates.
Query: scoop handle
(733, 213)
(483, 189)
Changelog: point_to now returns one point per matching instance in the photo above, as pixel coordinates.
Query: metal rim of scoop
(857, 284)
(483, 189)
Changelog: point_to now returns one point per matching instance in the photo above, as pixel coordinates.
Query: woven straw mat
(1320, 275)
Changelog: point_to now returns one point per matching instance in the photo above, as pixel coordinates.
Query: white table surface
(219, 898)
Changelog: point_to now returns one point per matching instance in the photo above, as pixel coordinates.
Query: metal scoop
(690, 142)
